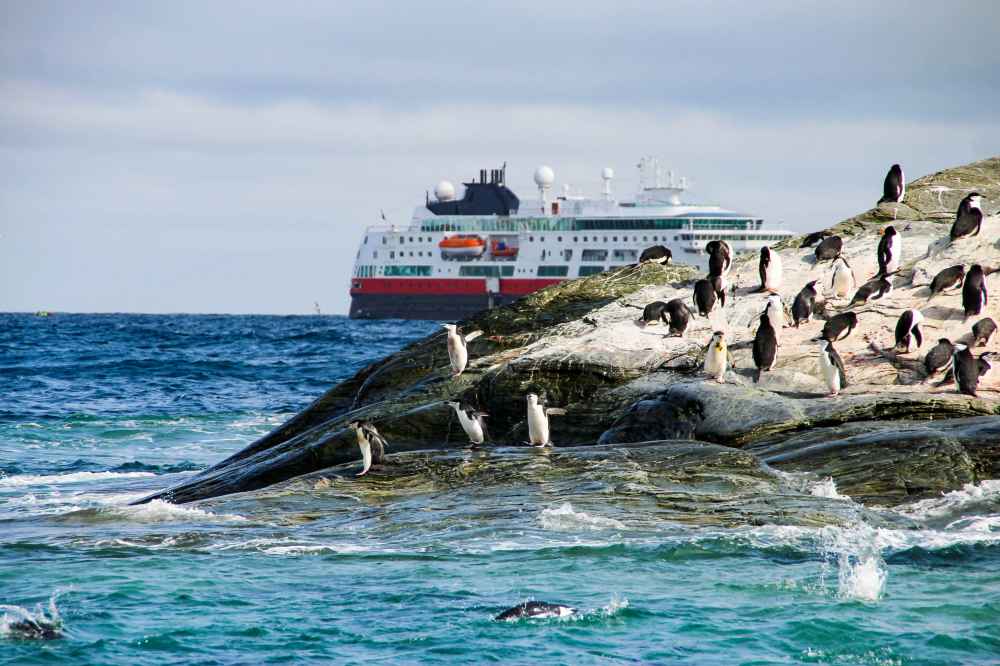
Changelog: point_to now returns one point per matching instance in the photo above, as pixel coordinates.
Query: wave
(22, 480)
(156, 511)
(19, 622)
(971, 496)
(564, 518)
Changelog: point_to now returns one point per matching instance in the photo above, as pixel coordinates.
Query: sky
(227, 156)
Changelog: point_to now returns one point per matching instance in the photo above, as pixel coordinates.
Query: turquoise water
(411, 567)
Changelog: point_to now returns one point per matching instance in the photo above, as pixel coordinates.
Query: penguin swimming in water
(894, 186)
(471, 421)
(680, 314)
(908, 331)
(706, 293)
(765, 346)
(814, 237)
(657, 254)
(890, 252)
(968, 218)
(371, 443)
(538, 420)
(535, 609)
(458, 352)
(871, 291)
(769, 268)
(839, 326)
(717, 357)
(842, 282)
(974, 294)
(969, 369)
(939, 357)
(654, 313)
(946, 279)
(829, 249)
(831, 368)
(982, 331)
(802, 307)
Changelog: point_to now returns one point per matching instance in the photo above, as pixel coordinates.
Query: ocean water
(411, 567)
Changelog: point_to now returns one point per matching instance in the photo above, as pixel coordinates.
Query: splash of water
(19, 622)
(564, 518)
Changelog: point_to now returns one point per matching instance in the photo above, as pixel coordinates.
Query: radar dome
(444, 191)
(607, 173)
(544, 177)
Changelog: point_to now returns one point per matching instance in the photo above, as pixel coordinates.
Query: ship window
(559, 239)
(594, 255)
(553, 271)
(656, 238)
(401, 240)
(531, 239)
(411, 239)
(590, 270)
(366, 240)
(567, 255)
(624, 255)
(384, 240)
(392, 255)
(408, 271)
(615, 239)
(584, 239)
(575, 239)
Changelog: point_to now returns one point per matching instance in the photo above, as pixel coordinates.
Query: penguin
(894, 187)
(815, 237)
(717, 357)
(831, 368)
(458, 353)
(657, 254)
(946, 279)
(969, 369)
(371, 443)
(765, 346)
(654, 313)
(535, 609)
(829, 249)
(706, 293)
(939, 357)
(968, 217)
(720, 258)
(538, 420)
(775, 311)
(871, 291)
(471, 421)
(770, 270)
(890, 252)
(839, 326)
(680, 315)
(982, 331)
(974, 294)
(908, 331)
(802, 307)
(842, 282)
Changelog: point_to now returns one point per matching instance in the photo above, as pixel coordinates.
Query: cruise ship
(488, 248)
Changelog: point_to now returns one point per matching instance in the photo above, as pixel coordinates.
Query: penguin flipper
(366, 457)
(469, 337)
(555, 411)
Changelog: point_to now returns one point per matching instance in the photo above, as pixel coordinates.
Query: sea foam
(566, 519)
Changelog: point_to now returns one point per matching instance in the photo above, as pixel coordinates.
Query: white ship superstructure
(458, 256)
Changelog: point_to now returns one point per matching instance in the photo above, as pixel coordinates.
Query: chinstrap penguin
(371, 443)
(805, 301)
(908, 331)
(769, 268)
(708, 292)
(829, 249)
(839, 326)
(680, 314)
(890, 252)
(872, 291)
(458, 352)
(946, 279)
(969, 369)
(765, 346)
(968, 217)
(982, 331)
(657, 254)
(974, 294)
(535, 609)
(538, 420)
(471, 420)
(894, 186)
(939, 357)
(831, 368)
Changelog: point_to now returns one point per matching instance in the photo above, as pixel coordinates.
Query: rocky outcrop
(579, 345)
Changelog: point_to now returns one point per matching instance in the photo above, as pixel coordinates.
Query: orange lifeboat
(499, 248)
(462, 245)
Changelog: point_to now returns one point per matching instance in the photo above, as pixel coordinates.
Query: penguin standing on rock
(706, 293)
(839, 326)
(829, 249)
(458, 353)
(969, 217)
(946, 279)
(974, 294)
(831, 367)
(775, 311)
(982, 331)
(908, 331)
(680, 315)
(802, 307)
(765, 346)
(969, 369)
(538, 420)
(871, 291)
(769, 268)
(890, 252)
(471, 421)
(814, 237)
(842, 282)
(894, 186)
(371, 443)
(939, 357)
(717, 357)
(654, 313)
(720, 259)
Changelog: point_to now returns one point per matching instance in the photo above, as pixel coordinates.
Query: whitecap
(827, 488)
(954, 501)
(565, 518)
(158, 511)
(21, 480)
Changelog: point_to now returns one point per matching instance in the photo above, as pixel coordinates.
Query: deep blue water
(96, 410)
